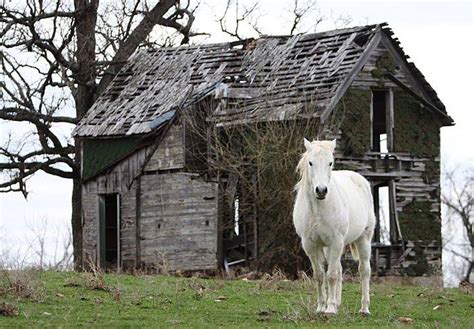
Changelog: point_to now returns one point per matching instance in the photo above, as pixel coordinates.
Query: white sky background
(438, 36)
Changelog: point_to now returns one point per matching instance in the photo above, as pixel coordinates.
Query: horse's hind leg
(364, 248)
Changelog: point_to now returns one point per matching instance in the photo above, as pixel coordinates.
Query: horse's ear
(333, 144)
(307, 144)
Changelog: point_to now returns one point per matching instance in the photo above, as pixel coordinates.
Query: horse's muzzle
(321, 192)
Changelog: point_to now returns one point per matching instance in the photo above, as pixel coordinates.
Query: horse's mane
(302, 171)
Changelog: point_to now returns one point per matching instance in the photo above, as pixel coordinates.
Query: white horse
(333, 209)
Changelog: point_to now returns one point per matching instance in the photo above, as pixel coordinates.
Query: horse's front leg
(339, 286)
(334, 275)
(319, 274)
(316, 256)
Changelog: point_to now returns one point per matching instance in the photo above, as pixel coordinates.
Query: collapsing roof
(271, 78)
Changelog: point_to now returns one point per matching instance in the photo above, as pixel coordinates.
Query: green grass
(64, 300)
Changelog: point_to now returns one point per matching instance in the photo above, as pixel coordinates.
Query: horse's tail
(354, 251)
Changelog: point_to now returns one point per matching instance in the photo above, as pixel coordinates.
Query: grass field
(77, 299)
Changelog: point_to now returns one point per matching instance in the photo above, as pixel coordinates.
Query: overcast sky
(438, 36)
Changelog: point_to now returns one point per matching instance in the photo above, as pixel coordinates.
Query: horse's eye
(310, 163)
(330, 164)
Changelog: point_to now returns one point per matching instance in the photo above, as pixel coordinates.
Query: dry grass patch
(22, 284)
(8, 309)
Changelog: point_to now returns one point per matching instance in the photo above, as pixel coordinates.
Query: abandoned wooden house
(154, 198)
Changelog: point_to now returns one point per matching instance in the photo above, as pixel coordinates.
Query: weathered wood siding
(90, 229)
(170, 153)
(178, 222)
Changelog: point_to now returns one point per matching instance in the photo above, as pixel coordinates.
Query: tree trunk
(76, 224)
(86, 19)
(467, 277)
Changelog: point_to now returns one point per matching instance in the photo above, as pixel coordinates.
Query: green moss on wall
(420, 267)
(416, 129)
(417, 222)
(384, 64)
(352, 117)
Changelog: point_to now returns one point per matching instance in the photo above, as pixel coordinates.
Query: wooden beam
(137, 223)
(389, 118)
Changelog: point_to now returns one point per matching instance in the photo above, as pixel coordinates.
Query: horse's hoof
(330, 310)
(364, 313)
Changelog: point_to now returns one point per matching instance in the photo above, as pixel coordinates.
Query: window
(382, 120)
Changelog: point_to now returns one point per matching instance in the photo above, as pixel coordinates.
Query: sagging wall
(177, 211)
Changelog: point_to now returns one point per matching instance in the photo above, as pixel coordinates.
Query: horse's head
(319, 160)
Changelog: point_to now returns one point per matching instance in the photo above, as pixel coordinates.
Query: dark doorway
(109, 238)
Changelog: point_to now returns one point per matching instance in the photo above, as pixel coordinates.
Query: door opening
(109, 228)
(387, 228)
(382, 214)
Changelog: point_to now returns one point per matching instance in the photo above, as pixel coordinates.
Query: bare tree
(240, 19)
(302, 10)
(458, 197)
(235, 15)
(57, 57)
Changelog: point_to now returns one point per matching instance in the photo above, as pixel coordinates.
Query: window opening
(379, 121)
